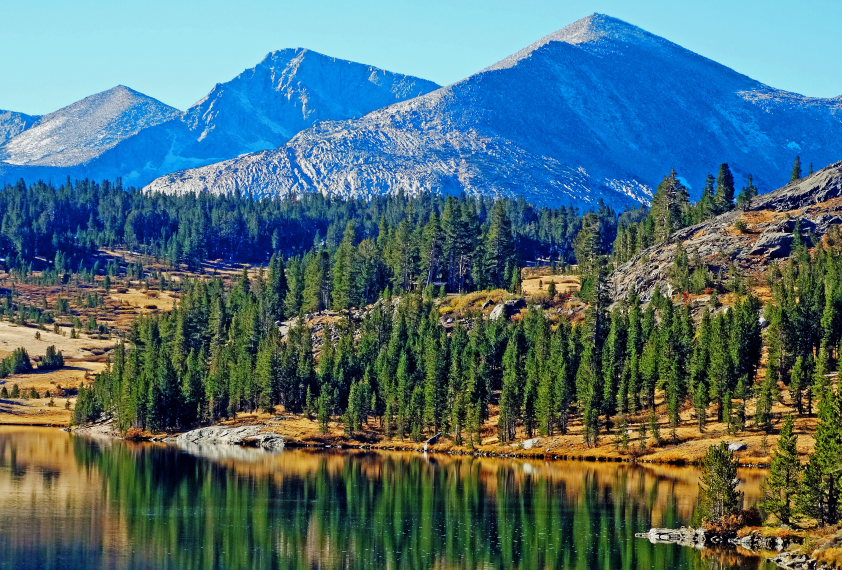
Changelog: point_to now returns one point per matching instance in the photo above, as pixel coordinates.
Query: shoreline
(778, 546)
(261, 436)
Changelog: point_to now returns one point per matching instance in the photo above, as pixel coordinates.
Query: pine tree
(747, 194)
(718, 494)
(680, 272)
(781, 486)
(796, 169)
(499, 248)
(724, 189)
(670, 207)
(265, 371)
(295, 288)
(276, 288)
(822, 477)
(705, 208)
(345, 294)
(510, 396)
(316, 290)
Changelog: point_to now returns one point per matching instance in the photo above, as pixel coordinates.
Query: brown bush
(134, 433)
(746, 517)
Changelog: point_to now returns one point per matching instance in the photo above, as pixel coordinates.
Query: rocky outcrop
(506, 309)
(754, 541)
(751, 238)
(797, 561)
(247, 436)
(692, 537)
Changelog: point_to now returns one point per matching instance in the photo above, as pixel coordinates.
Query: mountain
(751, 239)
(598, 110)
(85, 129)
(12, 124)
(263, 107)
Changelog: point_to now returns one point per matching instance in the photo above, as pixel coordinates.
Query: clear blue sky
(58, 51)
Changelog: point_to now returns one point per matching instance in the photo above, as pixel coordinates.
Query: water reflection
(75, 503)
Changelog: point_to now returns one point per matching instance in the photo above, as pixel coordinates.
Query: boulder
(530, 443)
(499, 312)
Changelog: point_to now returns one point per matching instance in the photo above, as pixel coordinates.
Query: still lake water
(74, 503)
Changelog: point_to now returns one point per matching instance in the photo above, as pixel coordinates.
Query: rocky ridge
(599, 110)
(751, 238)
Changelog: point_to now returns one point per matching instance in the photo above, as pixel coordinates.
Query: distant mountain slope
(599, 110)
(261, 108)
(13, 124)
(85, 129)
(766, 234)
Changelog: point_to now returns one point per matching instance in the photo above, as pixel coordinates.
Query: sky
(58, 51)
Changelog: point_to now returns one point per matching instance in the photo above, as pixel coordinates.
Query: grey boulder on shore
(246, 436)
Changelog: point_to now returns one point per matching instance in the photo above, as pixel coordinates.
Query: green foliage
(782, 485)
(718, 494)
(822, 476)
(16, 363)
(53, 359)
(796, 169)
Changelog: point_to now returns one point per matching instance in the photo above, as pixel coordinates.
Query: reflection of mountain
(302, 509)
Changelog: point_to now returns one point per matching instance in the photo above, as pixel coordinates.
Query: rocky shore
(755, 541)
(244, 436)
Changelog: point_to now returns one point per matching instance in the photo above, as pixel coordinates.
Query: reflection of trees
(403, 513)
(303, 510)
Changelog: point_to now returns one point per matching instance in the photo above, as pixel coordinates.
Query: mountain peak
(595, 27)
(590, 30)
(82, 130)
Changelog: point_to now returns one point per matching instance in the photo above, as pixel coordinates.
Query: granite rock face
(764, 235)
(247, 436)
(599, 110)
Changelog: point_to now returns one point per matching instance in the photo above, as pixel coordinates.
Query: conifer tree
(276, 287)
(749, 192)
(822, 476)
(670, 207)
(718, 494)
(796, 169)
(499, 248)
(706, 206)
(510, 396)
(344, 294)
(781, 486)
(724, 189)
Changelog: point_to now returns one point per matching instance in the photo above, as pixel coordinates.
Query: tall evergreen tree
(781, 486)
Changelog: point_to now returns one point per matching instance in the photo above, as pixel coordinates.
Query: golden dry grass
(473, 301)
(540, 285)
(145, 301)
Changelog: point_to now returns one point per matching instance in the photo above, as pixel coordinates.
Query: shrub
(53, 359)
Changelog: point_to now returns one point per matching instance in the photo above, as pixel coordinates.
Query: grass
(473, 301)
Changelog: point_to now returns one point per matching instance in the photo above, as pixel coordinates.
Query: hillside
(751, 238)
(598, 110)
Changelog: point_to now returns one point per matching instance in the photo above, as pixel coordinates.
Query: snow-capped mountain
(12, 124)
(598, 110)
(261, 108)
(84, 130)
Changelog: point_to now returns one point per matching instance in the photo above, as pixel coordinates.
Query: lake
(75, 503)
